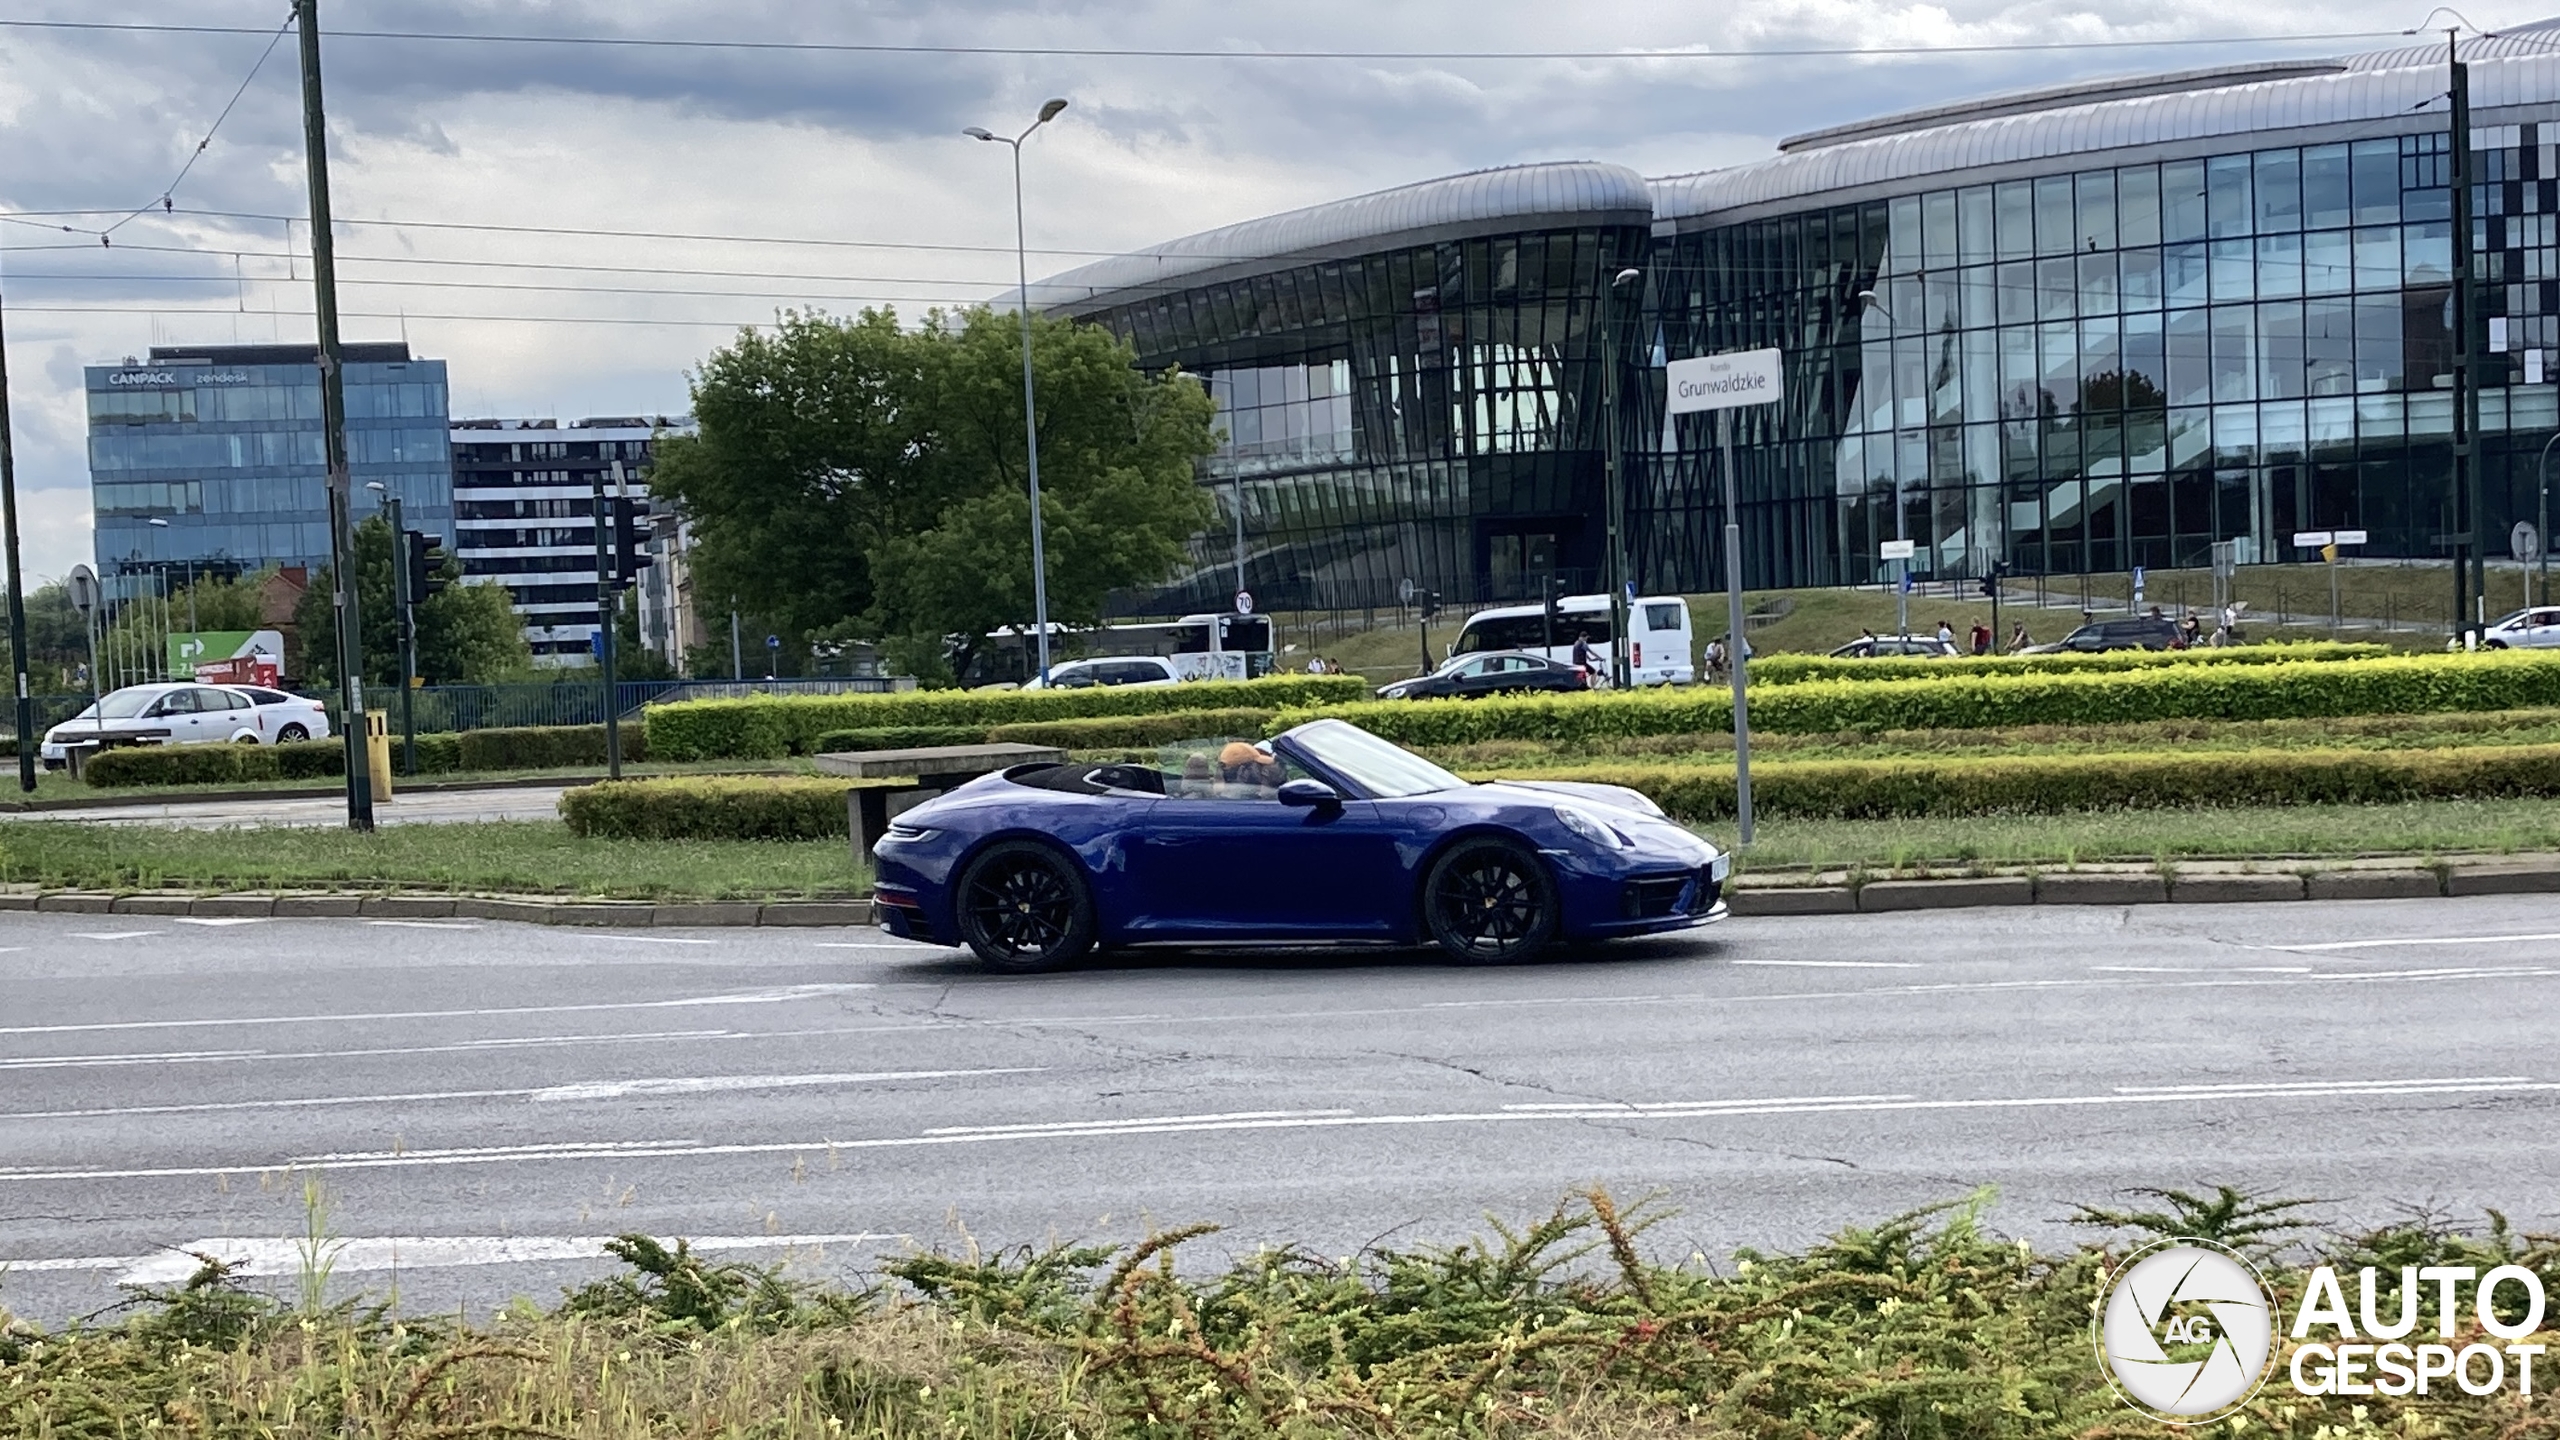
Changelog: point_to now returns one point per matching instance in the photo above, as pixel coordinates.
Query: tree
(852, 479)
(632, 657)
(468, 635)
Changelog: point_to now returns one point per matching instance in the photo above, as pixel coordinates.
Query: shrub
(542, 747)
(768, 727)
(709, 807)
(1795, 669)
(1129, 732)
(131, 765)
(2401, 686)
(897, 737)
(2052, 784)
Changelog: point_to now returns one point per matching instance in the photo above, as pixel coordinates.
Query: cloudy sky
(603, 154)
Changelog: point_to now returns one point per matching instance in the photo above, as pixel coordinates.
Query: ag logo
(2185, 1331)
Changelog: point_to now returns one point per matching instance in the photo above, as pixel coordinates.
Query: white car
(186, 714)
(1108, 670)
(2534, 629)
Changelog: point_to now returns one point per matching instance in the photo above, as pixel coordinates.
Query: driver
(1249, 772)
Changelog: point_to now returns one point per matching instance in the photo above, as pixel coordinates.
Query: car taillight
(1637, 653)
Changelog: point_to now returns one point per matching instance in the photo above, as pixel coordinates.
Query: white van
(1659, 650)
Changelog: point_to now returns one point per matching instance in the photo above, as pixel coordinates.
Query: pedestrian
(1981, 638)
(1582, 656)
(1715, 659)
(1946, 634)
(1315, 665)
(2018, 638)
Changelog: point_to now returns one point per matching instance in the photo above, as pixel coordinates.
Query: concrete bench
(903, 779)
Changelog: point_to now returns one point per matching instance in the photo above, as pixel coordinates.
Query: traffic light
(426, 567)
(1430, 604)
(630, 539)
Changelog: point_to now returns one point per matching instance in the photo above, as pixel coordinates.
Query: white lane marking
(751, 997)
(2270, 1085)
(426, 924)
(256, 1257)
(1079, 1127)
(1838, 964)
(571, 1150)
(164, 1057)
(542, 1094)
(114, 934)
(2205, 969)
(2413, 940)
(1641, 1107)
(197, 1057)
(909, 946)
(650, 940)
(220, 920)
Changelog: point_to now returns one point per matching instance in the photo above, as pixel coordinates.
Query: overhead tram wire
(168, 192)
(1107, 52)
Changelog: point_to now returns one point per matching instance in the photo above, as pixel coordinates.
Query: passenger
(1199, 777)
(1249, 772)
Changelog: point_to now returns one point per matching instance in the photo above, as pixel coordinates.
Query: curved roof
(1500, 198)
(2383, 91)
(2054, 97)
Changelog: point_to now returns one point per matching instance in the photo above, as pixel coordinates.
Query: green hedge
(540, 747)
(709, 807)
(1130, 732)
(768, 727)
(2408, 685)
(897, 737)
(1796, 669)
(2051, 784)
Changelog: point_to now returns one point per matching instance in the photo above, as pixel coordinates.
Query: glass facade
(1423, 413)
(2114, 367)
(224, 444)
(524, 507)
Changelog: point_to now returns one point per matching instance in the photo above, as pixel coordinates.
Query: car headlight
(911, 834)
(1590, 827)
(1719, 868)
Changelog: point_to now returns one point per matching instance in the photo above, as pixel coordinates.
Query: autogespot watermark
(2186, 1331)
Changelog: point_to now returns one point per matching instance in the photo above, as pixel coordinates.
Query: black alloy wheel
(1023, 908)
(1489, 901)
(291, 733)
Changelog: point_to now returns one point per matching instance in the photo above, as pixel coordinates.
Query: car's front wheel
(291, 733)
(1489, 901)
(1023, 907)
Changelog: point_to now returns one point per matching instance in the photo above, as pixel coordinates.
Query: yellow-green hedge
(2053, 784)
(1131, 732)
(767, 727)
(1796, 669)
(2399, 686)
(709, 807)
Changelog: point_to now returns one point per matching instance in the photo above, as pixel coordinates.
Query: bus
(1201, 647)
(1659, 649)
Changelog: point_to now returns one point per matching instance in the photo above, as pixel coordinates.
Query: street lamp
(1030, 415)
(2542, 544)
(158, 523)
(1621, 673)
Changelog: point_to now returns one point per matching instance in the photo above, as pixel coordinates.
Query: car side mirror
(1314, 794)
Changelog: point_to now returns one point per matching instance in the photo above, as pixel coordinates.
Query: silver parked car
(184, 713)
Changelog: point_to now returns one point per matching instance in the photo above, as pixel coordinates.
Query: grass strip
(1926, 1324)
(512, 856)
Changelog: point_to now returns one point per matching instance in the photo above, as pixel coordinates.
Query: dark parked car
(1870, 647)
(1325, 833)
(2147, 632)
(1498, 672)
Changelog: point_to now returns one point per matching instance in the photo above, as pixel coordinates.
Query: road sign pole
(1736, 650)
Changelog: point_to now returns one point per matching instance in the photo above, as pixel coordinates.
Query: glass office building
(223, 443)
(2073, 330)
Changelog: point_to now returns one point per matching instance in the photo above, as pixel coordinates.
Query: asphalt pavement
(481, 1104)
(416, 807)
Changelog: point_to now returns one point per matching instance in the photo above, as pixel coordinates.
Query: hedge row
(709, 807)
(531, 747)
(1796, 669)
(768, 727)
(1133, 732)
(2409, 685)
(2052, 784)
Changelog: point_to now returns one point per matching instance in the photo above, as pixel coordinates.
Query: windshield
(122, 705)
(1385, 771)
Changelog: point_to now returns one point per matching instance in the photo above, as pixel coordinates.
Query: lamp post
(1030, 413)
(1621, 674)
(2542, 542)
(157, 523)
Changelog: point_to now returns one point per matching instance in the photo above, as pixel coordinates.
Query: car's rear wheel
(1489, 901)
(291, 733)
(1023, 907)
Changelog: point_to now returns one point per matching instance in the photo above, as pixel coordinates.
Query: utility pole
(1620, 574)
(737, 657)
(28, 740)
(2471, 609)
(1735, 661)
(605, 595)
(333, 419)
(404, 599)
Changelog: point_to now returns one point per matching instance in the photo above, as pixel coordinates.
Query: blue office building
(223, 443)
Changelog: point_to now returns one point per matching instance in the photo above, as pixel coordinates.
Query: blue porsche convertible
(1323, 834)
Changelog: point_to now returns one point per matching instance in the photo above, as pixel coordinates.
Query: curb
(2383, 880)
(525, 909)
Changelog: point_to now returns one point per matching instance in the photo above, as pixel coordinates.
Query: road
(417, 807)
(481, 1102)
